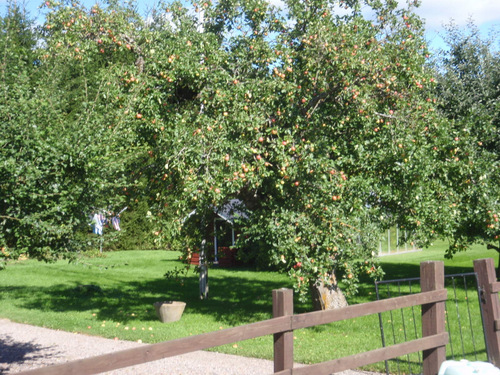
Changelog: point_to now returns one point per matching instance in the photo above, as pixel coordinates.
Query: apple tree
(317, 116)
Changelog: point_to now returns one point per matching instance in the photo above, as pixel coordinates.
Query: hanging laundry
(97, 223)
(103, 219)
(115, 220)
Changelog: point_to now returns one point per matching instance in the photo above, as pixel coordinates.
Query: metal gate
(464, 321)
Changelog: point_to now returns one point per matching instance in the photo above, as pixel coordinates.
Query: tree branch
(9, 217)
(493, 247)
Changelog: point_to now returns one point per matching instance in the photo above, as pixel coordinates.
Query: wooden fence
(284, 322)
(489, 287)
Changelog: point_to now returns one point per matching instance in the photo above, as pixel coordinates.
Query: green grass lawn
(51, 295)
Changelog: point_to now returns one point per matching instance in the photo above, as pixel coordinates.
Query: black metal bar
(470, 318)
(398, 280)
(450, 318)
(449, 330)
(459, 319)
(381, 324)
(415, 329)
(394, 333)
(392, 327)
(404, 331)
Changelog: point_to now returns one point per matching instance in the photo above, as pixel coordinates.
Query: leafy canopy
(320, 117)
(469, 79)
(321, 122)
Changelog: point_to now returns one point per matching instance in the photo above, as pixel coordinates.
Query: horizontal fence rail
(153, 352)
(282, 326)
(495, 287)
(355, 311)
(373, 356)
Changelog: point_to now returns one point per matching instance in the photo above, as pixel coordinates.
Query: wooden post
(485, 269)
(283, 342)
(433, 315)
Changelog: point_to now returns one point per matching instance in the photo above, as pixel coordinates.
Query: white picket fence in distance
(396, 241)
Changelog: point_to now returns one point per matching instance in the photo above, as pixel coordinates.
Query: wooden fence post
(283, 342)
(433, 315)
(486, 275)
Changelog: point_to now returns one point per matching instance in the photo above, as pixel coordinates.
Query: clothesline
(99, 221)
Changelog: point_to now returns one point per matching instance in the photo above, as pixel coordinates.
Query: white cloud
(439, 12)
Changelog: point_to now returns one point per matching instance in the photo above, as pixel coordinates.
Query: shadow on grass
(235, 298)
(232, 300)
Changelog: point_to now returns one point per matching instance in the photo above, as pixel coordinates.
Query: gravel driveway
(24, 347)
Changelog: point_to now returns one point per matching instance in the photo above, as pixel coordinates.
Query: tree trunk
(497, 248)
(203, 277)
(327, 297)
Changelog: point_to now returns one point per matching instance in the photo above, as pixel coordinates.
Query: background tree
(17, 69)
(67, 144)
(469, 92)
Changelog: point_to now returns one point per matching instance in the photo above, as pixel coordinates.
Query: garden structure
(224, 234)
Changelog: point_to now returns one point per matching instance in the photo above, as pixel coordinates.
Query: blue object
(465, 367)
